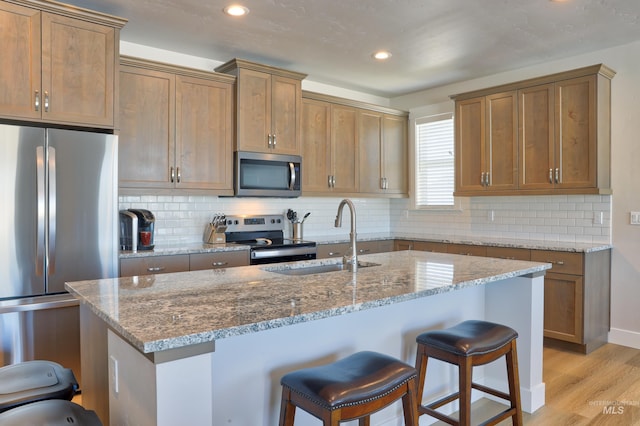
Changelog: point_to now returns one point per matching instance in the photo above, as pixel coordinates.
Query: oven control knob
(236, 222)
(273, 221)
(278, 220)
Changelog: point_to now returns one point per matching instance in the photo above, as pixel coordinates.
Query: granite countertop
(160, 250)
(168, 311)
(168, 250)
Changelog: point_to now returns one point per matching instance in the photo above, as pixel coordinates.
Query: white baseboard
(624, 338)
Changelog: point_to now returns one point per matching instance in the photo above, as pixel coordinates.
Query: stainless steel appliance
(146, 225)
(267, 175)
(265, 235)
(58, 223)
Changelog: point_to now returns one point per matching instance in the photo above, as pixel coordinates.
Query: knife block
(212, 237)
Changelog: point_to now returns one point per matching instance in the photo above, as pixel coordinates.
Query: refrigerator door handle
(40, 221)
(51, 264)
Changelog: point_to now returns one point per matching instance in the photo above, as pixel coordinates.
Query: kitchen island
(209, 347)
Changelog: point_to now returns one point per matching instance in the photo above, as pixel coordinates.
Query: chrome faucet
(353, 259)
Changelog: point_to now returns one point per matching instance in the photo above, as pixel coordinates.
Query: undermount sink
(316, 269)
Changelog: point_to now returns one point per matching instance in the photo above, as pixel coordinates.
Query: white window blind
(434, 161)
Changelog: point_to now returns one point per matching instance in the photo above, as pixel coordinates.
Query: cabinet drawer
(154, 265)
(430, 246)
(400, 245)
(467, 249)
(228, 259)
(325, 251)
(509, 253)
(563, 262)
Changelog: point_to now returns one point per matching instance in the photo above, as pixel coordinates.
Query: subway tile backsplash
(571, 218)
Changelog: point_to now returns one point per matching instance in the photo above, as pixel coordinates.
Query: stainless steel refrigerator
(58, 223)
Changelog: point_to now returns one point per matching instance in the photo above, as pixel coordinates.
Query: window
(434, 162)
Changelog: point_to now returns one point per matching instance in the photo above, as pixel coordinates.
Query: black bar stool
(32, 381)
(351, 388)
(467, 345)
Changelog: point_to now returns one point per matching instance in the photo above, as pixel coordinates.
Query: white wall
(625, 276)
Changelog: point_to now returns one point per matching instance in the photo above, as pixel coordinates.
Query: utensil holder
(296, 230)
(210, 235)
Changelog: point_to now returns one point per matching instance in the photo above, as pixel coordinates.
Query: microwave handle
(292, 175)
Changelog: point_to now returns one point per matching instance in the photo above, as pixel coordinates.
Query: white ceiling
(433, 42)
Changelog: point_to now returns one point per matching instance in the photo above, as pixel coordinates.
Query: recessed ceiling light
(382, 55)
(236, 10)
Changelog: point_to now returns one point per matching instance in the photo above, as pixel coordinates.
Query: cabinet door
(563, 314)
(344, 146)
(400, 245)
(78, 71)
(146, 137)
(470, 144)
(576, 132)
(316, 145)
(370, 151)
(536, 127)
(394, 154)
(204, 145)
(254, 111)
(286, 96)
(501, 145)
(20, 71)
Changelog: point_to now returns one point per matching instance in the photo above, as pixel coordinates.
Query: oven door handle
(292, 176)
(281, 252)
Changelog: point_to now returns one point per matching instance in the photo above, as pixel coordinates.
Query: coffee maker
(137, 229)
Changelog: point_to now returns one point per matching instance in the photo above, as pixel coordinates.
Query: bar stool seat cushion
(361, 377)
(469, 338)
(32, 381)
(52, 412)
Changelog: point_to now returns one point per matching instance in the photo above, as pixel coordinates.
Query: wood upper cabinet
(486, 144)
(268, 107)
(60, 64)
(176, 128)
(204, 134)
(558, 135)
(559, 143)
(382, 153)
(329, 148)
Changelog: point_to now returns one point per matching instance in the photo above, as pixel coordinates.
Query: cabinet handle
(173, 175)
(361, 251)
(550, 175)
(178, 173)
(46, 101)
(557, 175)
(555, 262)
(155, 268)
(37, 101)
(331, 253)
(333, 181)
(275, 141)
(329, 181)
(482, 178)
(219, 264)
(486, 178)
(386, 183)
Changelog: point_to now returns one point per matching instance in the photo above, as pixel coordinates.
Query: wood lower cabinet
(59, 64)
(176, 128)
(467, 249)
(511, 253)
(268, 107)
(431, 246)
(218, 260)
(577, 298)
(326, 251)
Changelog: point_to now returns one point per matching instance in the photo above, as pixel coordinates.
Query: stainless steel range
(265, 235)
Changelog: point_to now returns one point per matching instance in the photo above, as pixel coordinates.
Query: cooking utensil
(305, 217)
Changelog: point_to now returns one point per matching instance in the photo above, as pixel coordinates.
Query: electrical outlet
(635, 218)
(598, 217)
(491, 216)
(113, 372)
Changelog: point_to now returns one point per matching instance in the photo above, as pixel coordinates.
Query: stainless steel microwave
(267, 175)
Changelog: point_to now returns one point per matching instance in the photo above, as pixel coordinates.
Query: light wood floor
(583, 390)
